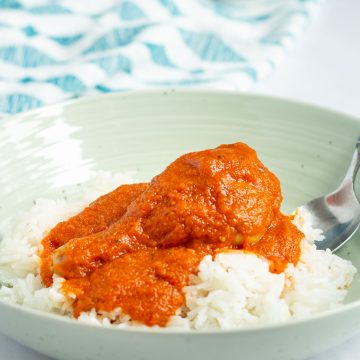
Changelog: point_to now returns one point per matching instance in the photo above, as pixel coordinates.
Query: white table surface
(323, 69)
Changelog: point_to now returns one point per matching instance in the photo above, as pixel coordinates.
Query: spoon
(338, 213)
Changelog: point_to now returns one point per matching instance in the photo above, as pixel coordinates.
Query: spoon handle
(354, 165)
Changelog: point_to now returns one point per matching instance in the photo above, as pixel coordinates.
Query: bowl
(47, 150)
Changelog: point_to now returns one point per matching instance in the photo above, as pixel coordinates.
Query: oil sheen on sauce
(136, 247)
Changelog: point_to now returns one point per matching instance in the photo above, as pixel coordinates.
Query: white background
(323, 69)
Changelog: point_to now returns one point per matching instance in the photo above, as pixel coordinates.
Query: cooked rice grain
(234, 290)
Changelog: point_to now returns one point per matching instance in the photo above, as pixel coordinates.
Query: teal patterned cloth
(55, 50)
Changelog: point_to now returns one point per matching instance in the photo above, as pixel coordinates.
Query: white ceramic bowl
(43, 151)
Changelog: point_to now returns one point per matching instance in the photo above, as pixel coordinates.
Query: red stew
(135, 247)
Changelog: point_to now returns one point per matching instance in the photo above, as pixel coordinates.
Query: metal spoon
(338, 213)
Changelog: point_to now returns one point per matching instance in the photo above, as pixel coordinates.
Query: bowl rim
(177, 91)
(342, 309)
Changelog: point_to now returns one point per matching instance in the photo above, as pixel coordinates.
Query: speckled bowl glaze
(47, 150)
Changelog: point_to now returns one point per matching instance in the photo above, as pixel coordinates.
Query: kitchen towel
(55, 50)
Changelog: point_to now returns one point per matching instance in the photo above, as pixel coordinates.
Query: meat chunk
(224, 197)
(95, 218)
(155, 278)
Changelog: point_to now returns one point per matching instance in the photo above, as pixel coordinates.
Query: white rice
(236, 289)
